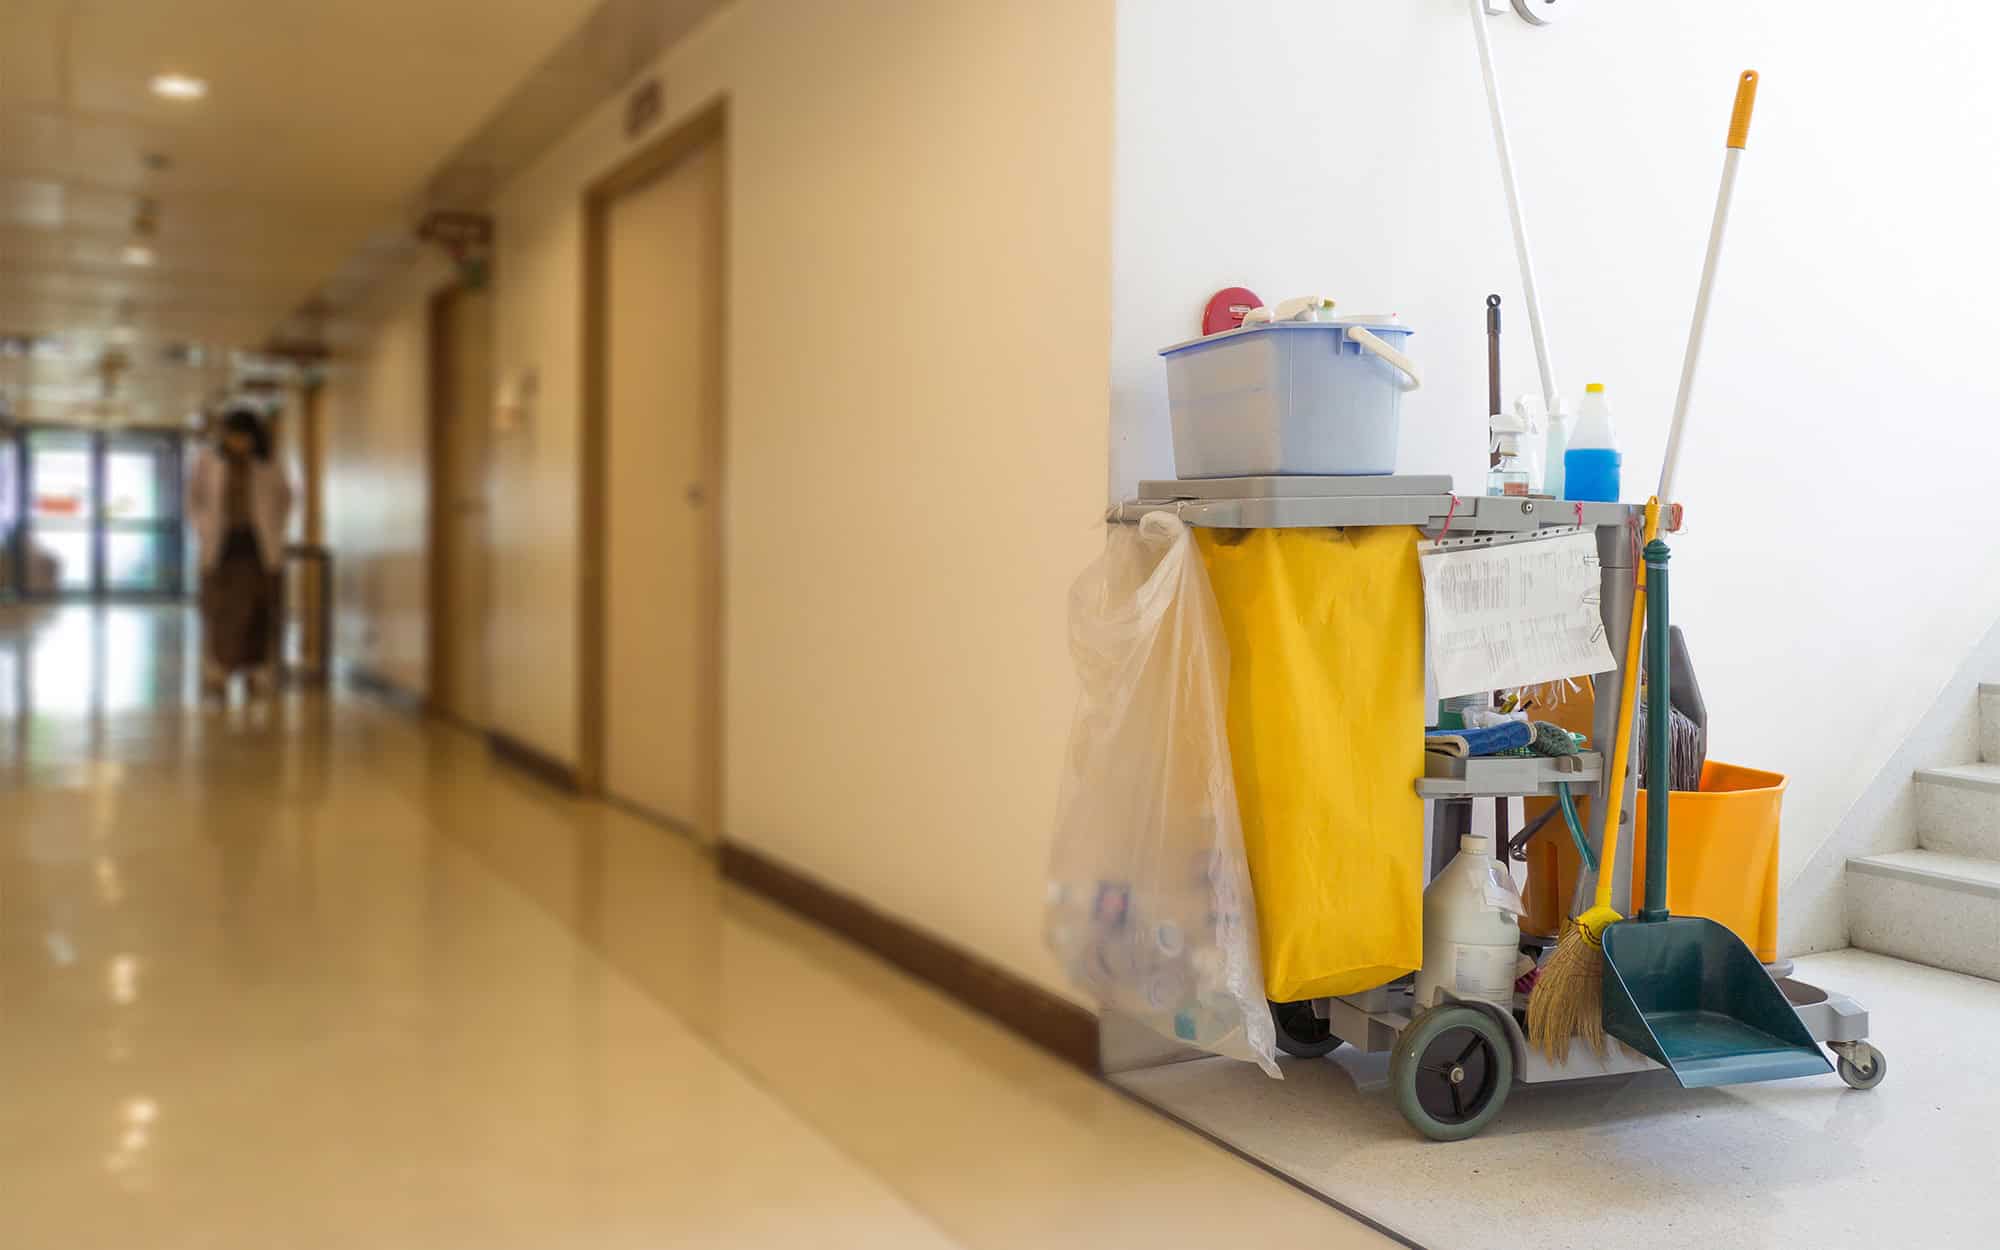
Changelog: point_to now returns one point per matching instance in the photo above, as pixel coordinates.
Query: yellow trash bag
(1326, 724)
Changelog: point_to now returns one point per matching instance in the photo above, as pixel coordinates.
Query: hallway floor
(1641, 1164)
(322, 975)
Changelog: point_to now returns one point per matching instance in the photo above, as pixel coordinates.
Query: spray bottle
(1554, 451)
(1508, 472)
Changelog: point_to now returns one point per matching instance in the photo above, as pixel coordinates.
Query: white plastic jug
(1472, 929)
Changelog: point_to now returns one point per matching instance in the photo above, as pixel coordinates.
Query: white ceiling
(324, 119)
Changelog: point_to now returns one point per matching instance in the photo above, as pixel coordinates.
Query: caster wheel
(1862, 1066)
(1451, 1072)
(1301, 1033)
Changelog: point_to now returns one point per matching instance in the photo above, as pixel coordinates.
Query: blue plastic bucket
(1289, 397)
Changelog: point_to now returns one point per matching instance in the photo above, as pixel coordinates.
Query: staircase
(1940, 904)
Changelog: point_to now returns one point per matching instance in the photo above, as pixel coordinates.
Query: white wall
(1884, 816)
(919, 257)
(376, 420)
(532, 589)
(1844, 440)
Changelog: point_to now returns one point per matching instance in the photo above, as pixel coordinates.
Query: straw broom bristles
(1568, 999)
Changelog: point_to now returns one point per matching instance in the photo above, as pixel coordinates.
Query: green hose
(1568, 806)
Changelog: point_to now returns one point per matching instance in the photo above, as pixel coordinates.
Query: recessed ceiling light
(179, 87)
(136, 254)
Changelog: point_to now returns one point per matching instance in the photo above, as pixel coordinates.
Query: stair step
(1958, 810)
(1989, 722)
(1930, 907)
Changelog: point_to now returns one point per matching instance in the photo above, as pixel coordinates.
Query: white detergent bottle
(1472, 930)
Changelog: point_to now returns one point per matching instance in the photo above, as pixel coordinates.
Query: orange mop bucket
(1721, 864)
(1722, 861)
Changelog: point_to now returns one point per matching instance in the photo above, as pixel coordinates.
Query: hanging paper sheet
(1505, 611)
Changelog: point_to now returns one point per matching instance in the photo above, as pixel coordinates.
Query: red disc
(1226, 309)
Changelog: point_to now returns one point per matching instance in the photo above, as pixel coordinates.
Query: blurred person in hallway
(239, 503)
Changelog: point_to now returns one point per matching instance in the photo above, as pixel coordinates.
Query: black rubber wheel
(1302, 1033)
(1451, 1072)
(1865, 1069)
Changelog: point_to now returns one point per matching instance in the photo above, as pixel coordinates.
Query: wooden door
(462, 399)
(662, 284)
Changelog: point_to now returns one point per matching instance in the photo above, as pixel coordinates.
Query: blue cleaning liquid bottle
(1592, 461)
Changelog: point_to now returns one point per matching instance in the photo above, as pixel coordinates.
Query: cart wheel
(1862, 1066)
(1451, 1072)
(1302, 1033)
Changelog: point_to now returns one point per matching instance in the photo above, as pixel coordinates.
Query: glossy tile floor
(1639, 1163)
(319, 975)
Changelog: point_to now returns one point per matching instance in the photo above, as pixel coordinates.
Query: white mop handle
(1739, 138)
(1514, 207)
(1695, 332)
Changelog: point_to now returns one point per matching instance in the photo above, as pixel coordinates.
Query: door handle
(697, 495)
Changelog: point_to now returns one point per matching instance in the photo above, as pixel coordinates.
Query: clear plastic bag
(1149, 905)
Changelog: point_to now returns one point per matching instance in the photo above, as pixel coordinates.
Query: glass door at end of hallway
(102, 514)
(140, 517)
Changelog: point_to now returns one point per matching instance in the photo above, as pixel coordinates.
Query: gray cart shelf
(1374, 1020)
(1494, 777)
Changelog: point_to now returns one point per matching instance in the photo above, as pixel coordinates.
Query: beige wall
(919, 355)
(376, 424)
(918, 314)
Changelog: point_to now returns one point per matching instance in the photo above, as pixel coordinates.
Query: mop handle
(1528, 291)
(1739, 138)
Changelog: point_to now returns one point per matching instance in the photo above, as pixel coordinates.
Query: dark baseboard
(388, 690)
(1061, 1027)
(538, 764)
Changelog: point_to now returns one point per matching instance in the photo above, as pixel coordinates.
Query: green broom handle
(1659, 711)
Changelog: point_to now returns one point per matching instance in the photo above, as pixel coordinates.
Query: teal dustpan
(1682, 990)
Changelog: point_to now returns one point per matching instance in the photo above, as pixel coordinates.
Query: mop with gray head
(1687, 721)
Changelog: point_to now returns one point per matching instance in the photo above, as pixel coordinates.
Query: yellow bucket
(1722, 855)
(1722, 862)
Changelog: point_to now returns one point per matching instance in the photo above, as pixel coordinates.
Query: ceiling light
(136, 254)
(179, 87)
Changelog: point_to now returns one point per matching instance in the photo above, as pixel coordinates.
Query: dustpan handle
(1659, 711)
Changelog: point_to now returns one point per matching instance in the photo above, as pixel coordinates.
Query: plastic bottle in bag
(1149, 905)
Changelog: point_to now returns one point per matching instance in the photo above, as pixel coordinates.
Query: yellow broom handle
(1628, 702)
(1739, 117)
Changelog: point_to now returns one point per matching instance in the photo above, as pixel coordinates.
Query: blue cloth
(1507, 736)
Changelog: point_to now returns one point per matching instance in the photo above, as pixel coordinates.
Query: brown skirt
(239, 606)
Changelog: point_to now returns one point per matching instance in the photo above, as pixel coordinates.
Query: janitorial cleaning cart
(1261, 779)
(1454, 1062)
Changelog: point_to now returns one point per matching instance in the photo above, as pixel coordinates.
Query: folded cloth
(1549, 740)
(1508, 736)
